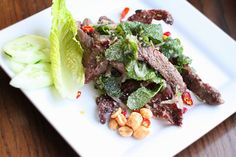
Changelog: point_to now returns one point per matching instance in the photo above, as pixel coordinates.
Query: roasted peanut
(113, 124)
(125, 131)
(146, 113)
(134, 121)
(121, 119)
(141, 132)
(116, 113)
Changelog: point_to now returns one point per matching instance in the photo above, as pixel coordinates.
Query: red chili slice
(124, 113)
(136, 111)
(146, 122)
(167, 34)
(186, 97)
(88, 29)
(124, 13)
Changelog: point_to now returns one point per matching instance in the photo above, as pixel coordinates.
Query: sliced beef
(105, 20)
(160, 63)
(146, 16)
(167, 111)
(118, 66)
(165, 94)
(106, 105)
(203, 90)
(128, 87)
(87, 22)
(93, 60)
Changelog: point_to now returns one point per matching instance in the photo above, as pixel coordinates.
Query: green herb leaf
(172, 48)
(152, 32)
(123, 50)
(115, 52)
(140, 71)
(111, 85)
(103, 29)
(125, 28)
(145, 32)
(141, 96)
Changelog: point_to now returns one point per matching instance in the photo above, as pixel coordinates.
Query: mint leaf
(152, 32)
(141, 96)
(123, 50)
(140, 71)
(111, 85)
(173, 49)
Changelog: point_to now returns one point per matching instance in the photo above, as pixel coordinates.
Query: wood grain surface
(25, 133)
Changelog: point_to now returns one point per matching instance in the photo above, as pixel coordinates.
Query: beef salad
(140, 71)
(135, 65)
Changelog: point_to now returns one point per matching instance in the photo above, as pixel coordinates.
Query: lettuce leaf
(65, 52)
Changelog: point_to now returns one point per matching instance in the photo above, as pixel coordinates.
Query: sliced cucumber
(33, 76)
(16, 67)
(28, 49)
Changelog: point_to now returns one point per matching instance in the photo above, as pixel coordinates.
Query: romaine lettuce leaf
(66, 52)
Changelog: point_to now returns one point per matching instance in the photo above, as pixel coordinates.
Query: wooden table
(25, 133)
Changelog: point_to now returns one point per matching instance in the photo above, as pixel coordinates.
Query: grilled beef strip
(92, 50)
(105, 20)
(86, 22)
(160, 63)
(168, 111)
(146, 16)
(203, 90)
(106, 105)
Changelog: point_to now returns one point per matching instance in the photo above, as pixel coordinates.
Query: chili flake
(78, 94)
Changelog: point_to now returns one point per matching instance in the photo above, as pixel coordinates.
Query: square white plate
(213, 54)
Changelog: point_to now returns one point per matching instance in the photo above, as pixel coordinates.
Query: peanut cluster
(137, 124)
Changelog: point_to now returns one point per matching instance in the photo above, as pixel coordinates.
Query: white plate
(213, 54)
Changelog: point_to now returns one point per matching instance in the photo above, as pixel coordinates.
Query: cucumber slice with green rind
(33, 76)
(28, 49)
